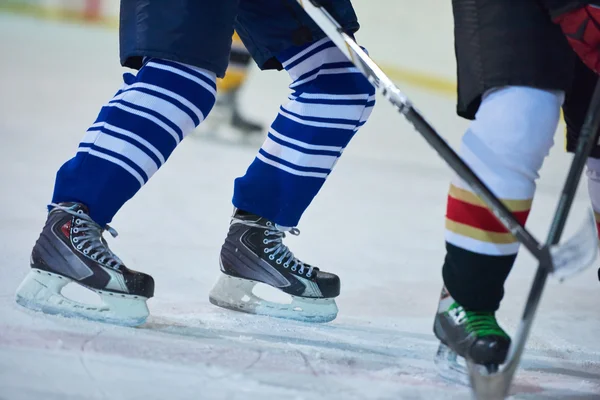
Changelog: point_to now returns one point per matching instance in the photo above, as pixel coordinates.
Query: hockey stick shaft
(381, 82)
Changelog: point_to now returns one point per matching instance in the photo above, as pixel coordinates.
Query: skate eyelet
(75, 230)
(266, 251)
(265, 241)
(86, 251)
(271, 257)
(75, 240)
(94, 256)
(79, 247)
(79, 211)
(269, 223)
(286, 265)
(308, 275)
(77, 221)
(294, 269)
(278, 261)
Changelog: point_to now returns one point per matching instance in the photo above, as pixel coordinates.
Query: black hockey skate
(253, 253)
(475, 336)
(71, 249)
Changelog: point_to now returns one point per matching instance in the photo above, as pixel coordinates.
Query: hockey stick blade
(578, 253)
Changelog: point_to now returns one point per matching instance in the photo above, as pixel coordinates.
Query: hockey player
(179, 49)
(516, 69)
(227, 108)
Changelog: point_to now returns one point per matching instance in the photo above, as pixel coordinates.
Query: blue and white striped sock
(331, 100)
(134, 134)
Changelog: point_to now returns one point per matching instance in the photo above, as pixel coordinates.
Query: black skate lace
(279, 252)
(90, 240)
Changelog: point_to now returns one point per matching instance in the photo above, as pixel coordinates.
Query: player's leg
(575, 109)
(513, 88)
(133, 136)
(330, 101)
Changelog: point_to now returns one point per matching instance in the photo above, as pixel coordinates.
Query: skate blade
(236, 294)
(449, 367)
(41, 291)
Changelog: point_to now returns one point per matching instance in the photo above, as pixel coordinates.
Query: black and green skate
(473, 335)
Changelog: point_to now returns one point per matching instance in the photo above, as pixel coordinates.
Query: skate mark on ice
(334, 352)
(82, 356)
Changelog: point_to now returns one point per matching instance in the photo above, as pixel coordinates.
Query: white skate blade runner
(451, 366)
(236, 294)
(41, 291)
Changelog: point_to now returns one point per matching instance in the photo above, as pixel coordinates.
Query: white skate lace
(90, 240)
(279, 251)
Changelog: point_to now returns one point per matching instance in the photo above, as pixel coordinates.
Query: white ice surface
(378, 223)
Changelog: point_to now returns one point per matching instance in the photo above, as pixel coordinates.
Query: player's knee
(326, 84)
(514, 129)
(183, 93)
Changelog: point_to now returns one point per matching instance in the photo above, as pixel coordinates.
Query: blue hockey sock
(330, 101)
(134, 134)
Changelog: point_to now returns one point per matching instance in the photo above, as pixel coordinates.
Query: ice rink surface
(378, 223)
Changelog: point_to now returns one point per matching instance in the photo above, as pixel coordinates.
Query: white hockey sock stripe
(181, 71)
(304, 53)
(307, 121)
(305, 145)
(335, 112)
(115, 161)
(293, 171)
(332, 71)
(178, 100)
(156, 105)
(299, 158)
(142, 143)
(149, 117)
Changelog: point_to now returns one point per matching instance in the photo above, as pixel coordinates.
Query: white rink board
(378, 223)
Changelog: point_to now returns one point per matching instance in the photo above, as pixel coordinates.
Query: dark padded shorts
(515, 43)
(198, 32)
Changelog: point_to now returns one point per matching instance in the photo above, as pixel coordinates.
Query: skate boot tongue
(87, 235)
(274, 247)
(282, 254)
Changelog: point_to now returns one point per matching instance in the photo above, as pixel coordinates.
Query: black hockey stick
(570, 256)
(497, 385)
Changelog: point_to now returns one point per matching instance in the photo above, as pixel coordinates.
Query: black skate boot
(475, 336)
(254, 252)
(71, 249)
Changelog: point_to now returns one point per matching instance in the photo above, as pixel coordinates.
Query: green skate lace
(478, 322)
